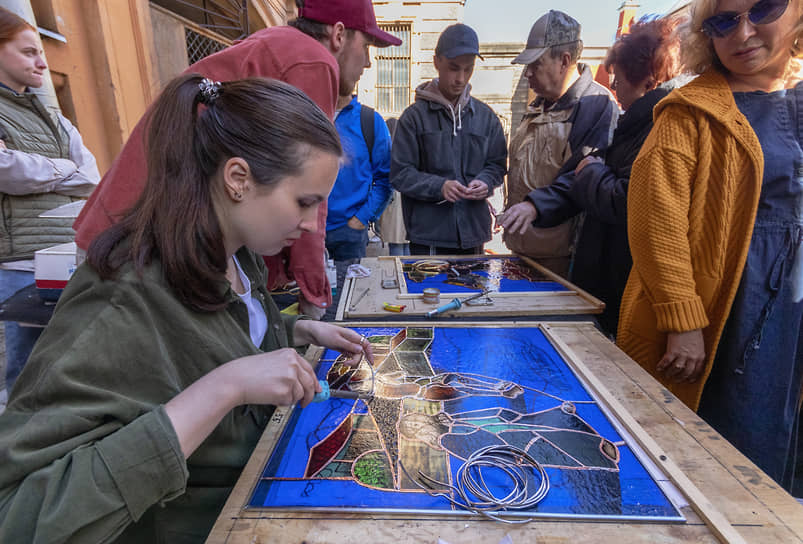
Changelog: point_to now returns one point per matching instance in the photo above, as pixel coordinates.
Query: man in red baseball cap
(354, 15)
(321, 52)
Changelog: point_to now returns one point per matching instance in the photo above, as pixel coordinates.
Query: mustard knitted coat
(692, 201)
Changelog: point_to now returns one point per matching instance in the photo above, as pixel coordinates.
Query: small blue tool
(328, 393)
(455, 304)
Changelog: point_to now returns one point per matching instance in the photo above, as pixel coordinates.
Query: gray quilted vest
(31, 128)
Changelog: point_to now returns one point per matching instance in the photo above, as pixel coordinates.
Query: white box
(53, 267)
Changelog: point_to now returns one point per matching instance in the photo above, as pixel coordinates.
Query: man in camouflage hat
(571, 116)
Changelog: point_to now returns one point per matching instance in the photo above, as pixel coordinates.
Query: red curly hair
(650, 50)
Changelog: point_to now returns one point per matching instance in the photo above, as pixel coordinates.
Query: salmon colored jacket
(692, 202)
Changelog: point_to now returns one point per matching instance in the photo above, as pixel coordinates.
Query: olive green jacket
(87, 452)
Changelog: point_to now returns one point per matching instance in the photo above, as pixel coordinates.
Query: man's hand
(453, 190)
(685, 356)
(477, 190)
(518, 217)
(355, 224)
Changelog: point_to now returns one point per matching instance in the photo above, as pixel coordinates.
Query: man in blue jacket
(362, 189)
(449, 154)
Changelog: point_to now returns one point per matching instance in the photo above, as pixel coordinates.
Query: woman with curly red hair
(644, 63)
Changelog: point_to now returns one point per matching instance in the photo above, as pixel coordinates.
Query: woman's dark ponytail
(193, 128)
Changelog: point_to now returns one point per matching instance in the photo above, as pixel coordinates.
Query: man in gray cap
(571, 117)
(448, 155)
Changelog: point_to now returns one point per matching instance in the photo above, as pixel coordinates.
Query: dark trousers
(419, 249)
(346, 246)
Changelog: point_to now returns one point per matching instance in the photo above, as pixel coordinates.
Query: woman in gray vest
(43, 164)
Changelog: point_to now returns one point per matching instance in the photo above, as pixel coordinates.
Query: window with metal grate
(393, 71)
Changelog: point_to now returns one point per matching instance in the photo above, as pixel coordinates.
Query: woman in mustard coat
(714, 302)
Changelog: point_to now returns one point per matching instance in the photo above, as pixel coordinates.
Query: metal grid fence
(200, 46)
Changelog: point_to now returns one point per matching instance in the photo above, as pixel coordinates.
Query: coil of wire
(473, 493)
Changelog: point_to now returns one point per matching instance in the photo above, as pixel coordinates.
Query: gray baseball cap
(553, 28)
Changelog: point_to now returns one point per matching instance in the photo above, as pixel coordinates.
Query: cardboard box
(53, 267)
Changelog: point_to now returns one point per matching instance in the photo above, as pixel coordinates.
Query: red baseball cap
(354, 14)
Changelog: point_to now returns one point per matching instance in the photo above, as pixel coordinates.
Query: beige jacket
(551, 140)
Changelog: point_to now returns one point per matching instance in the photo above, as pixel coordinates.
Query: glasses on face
(763, 12)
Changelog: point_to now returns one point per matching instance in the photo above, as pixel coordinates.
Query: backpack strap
(367, 126)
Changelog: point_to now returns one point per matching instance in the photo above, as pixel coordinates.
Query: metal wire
(473, 493)
(431, 267)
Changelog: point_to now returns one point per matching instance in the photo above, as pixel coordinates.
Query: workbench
(363, 297)
(729, 498)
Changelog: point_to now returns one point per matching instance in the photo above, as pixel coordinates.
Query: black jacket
(433, 143)
(602, 259)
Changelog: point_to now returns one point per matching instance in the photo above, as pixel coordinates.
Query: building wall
(427, 18)
(496, 81)
(117, 56)
(102, 79)
(501, 84)
(119, 53)
(168, 36)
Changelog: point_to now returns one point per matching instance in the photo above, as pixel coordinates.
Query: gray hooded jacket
(436, 141)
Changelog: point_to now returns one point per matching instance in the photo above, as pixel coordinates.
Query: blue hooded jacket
(362, 189)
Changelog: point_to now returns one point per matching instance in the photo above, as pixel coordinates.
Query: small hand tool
(328, 393)
(389, 280)
(357, 300)
(455, 304)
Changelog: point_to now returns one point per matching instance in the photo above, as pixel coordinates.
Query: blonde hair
(697, 50)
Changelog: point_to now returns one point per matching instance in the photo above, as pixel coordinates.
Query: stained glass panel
(472, 274)
(439, 394)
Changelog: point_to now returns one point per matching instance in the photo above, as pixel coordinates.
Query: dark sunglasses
(762, 13)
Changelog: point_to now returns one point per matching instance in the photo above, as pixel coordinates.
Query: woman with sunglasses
(714, 301)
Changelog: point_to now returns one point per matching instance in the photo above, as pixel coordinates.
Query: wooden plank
(328, 530)
(400, 276)
(712, 517)
(345, 297)
(548, 273)
(730, 480)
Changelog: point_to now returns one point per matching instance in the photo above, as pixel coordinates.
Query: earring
(238, 196)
